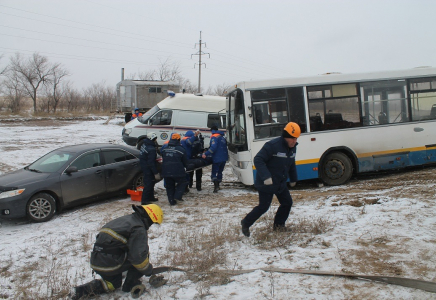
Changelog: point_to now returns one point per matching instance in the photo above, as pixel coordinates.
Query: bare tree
(13, 94)
(31, 74)
(72, 98)
(168, 70)
(221, 89)
(54, 89)
(2, 69)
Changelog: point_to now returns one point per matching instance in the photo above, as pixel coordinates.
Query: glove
(291, 184)
(268, 181)
(157, 281)
(157, 177)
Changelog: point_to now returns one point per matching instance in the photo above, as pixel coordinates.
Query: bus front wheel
(336, 169)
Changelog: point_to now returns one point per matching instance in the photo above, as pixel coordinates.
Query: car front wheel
(41, 207)
(138, 181)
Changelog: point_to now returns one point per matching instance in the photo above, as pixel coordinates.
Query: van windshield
(144, 118)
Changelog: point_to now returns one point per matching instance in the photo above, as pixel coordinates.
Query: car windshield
(144, 118)
(50, 162)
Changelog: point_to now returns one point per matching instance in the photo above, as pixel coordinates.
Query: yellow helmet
(293, 129)
(154, 212)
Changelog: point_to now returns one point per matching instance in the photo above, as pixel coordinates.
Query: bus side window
(382, 118)
(433, 112)
(316, 123)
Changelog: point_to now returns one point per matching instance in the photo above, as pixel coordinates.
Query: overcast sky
(246, 40)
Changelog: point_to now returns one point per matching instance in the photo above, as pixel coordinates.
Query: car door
(120, 168)
(87, 182)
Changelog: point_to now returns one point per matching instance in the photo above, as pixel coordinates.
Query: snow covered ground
(378, 225)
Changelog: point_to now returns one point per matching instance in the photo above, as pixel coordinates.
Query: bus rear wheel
(336, 169)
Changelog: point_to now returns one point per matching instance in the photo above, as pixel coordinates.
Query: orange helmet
(175, 136)
(293, 129)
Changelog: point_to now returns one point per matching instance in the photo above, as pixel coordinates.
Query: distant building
(142, 94)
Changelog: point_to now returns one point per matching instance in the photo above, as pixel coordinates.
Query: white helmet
(152, 136)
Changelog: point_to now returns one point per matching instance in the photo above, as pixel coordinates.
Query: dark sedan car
(67, 177)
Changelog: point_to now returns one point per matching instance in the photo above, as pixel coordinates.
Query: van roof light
(171, 93)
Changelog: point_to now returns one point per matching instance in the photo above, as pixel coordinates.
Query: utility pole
(200, 53)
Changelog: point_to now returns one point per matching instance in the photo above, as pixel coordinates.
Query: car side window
(88, 160)
(116, 156)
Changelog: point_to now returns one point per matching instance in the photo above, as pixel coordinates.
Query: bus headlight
(11, 193)
(242, 164)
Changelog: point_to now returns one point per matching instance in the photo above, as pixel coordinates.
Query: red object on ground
(135, 195)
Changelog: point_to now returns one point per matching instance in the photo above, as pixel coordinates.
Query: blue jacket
(174, 160)
(218, 147)
(277, 161)
(187, 142)
(148, 155)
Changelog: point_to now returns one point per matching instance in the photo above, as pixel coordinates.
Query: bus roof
(330, 78)
(194, 103)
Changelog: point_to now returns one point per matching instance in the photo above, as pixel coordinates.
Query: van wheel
(336, 169)
(41, 207)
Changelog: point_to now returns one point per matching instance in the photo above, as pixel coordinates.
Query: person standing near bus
(147, 159)
(174, 162)
(197, 151)
(219, 153)
(187, 143)
(275, 163)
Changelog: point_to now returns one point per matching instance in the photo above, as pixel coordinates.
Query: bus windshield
(144, 118)
(237, 138)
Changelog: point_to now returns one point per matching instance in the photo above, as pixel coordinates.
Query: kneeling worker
(121, 245)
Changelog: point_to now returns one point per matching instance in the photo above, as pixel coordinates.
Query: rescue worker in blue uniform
(197, 152)
(147, 159)
(121, 245)
(218, 151)
(187, 142)
(174, 162)
(275, 163)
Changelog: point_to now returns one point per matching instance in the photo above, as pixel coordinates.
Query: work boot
(216, 184)
(154, 199)
(179, 200)
(281, 228)
(129, 284)
(245, 229)
(91, 288)
(172, 202)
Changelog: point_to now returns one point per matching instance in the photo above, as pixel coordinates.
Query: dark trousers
(148, 192)
(175, 187)
(265, 200)
(116, 278)
(198, 175)
(217, 171)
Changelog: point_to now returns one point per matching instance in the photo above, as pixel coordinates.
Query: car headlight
(11, 193)
(128, 131)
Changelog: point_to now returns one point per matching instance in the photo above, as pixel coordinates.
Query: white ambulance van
(178, 113)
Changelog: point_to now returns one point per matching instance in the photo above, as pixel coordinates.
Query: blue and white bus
(350, 123)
